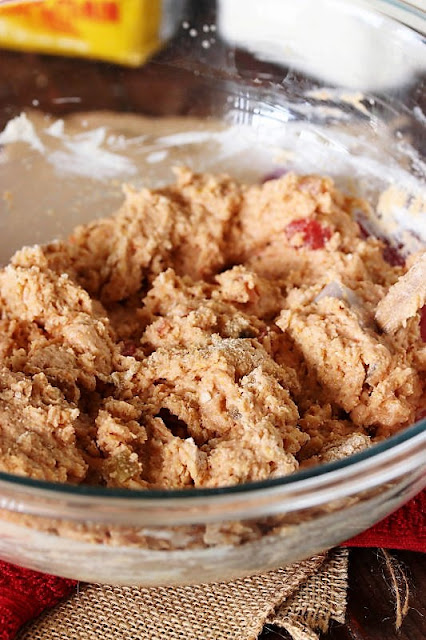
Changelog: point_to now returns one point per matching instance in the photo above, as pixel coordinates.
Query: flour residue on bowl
(62, 172)
(85, 154)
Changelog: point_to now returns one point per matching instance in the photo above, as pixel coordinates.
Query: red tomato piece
(393, 257)
(390, 254)
(421, 414)
(129, 348)
(314, 234)
(423, 324)
(274, 175)
(363, 231)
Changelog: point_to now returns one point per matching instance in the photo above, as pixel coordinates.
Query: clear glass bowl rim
(374, 454)
(405, 6)
(385, 452)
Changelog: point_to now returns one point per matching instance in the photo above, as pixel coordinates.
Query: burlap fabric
(302, 599)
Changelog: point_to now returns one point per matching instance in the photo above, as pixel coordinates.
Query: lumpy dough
(210, 333)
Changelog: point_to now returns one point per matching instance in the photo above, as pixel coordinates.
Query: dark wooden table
(371, 603)
(371, 613)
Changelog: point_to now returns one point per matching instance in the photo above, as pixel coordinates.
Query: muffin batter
(210, 333)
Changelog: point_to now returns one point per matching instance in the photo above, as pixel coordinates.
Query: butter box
(122, 31)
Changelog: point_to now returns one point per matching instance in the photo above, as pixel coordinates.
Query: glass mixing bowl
(336, 87)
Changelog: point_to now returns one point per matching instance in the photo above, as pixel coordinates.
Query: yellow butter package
(122, 31)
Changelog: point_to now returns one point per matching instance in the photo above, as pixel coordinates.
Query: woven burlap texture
(317, 601)
(301, 598)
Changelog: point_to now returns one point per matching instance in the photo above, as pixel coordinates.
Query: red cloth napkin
(24, 594)
(404, 529)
